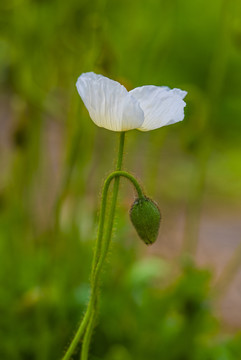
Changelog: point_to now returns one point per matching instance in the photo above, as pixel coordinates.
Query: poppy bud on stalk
(146, 217)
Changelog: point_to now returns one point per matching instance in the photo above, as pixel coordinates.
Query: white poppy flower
(144, 108)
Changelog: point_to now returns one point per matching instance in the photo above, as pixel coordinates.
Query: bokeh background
(179, 299)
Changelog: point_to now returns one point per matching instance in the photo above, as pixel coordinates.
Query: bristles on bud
(146, 217)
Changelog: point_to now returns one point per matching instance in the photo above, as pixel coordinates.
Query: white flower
(144, 108)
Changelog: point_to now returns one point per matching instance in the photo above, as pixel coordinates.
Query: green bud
(146, 217)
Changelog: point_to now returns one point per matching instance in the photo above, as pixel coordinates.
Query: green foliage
(53, 161)
(158, 319)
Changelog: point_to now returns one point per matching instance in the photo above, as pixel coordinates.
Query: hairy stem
(99, 250)
(97, 269)
(113, 204)
(102, 246)
(90, 307)
(104, 250)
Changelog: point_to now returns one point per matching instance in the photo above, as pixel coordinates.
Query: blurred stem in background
(214, 89)
(229, 272)
(233, 265)
(67, 177)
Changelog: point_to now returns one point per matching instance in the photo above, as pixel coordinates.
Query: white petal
(161, 105)
(109, 103)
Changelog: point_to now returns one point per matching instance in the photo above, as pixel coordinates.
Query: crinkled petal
(109, 104)
(161, 105)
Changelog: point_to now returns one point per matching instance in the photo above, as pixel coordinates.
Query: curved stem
(105, 246)
(104, 250)
(113, 205)
(127, 176)
(98, 249)
(87, 315)
(101, 250)
(98, 263)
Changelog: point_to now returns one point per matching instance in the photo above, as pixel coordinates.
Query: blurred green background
(179, 299)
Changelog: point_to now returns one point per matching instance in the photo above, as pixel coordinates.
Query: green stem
(127, 176)
(101, 250)
(87, 315)
(104, 247)
(89, 331)
(116, 175)
(78, 335)
(113, 205)
(100, 260)
(104, 250)
(98, 250)
(94, 280)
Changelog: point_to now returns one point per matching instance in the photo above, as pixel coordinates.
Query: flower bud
(146, 217)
